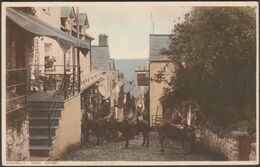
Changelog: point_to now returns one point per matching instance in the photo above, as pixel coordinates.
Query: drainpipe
(78, 59)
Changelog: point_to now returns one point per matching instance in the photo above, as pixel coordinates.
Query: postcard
(130, 83)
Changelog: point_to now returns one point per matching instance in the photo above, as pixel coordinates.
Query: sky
(128, 25)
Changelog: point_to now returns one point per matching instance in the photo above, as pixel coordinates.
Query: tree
(214, 51)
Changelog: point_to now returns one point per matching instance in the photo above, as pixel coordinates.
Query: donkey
(182, 133)
(175, 131)
(98, 127)
(129, 130)
(144, 127)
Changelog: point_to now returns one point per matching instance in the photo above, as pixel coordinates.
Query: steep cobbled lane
(115, 151)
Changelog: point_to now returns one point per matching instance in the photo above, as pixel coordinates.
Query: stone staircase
(39, 127)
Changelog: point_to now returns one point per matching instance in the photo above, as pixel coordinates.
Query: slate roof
(65, 11)
(100, 57)
(83, 19)
(158, 42)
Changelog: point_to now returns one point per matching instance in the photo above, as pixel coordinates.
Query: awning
(103, 91)
(34, 25)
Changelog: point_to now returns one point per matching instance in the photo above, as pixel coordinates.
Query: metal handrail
(15, 109)
(15, 98)
(55, 103)
(52, 116)
(15, 85)
(16, 69)
(57, 65)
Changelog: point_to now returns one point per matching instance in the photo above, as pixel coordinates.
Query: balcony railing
(15, 89)
(54, 79)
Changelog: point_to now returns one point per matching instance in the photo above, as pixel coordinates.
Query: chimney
(103, 40)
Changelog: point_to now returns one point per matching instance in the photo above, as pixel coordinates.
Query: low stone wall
(17, 144)
(252, 155)
(229, 147)
(234, 146)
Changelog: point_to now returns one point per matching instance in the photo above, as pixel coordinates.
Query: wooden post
(244, 148)
(73, 72)
(65, 77)
(78, 58)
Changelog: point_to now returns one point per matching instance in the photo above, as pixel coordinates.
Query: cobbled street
(115, 151)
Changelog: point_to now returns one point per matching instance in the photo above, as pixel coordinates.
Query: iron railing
(89, 79)
(52, 114)
(64, 82)
(43, 79)
(15, 89)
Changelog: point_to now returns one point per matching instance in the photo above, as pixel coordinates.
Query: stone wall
(68, 134)
(252, 155)
(229, 147)
(234, 146)
(17, 144)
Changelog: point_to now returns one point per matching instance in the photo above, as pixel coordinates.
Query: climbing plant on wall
(16, 119)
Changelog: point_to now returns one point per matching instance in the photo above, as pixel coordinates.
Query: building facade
(44, 49)
(158, 62)
(18, 51)
(101, 60)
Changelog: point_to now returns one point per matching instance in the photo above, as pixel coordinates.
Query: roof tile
(157, 43)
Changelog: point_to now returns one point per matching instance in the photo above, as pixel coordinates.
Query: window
(48, 58)
(47, 10)
(68, 61)
(48, 49)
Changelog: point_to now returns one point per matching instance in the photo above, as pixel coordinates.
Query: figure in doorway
(87, 115)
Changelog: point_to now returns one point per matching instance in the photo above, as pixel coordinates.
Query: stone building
(158, 62)
(53, 123)
(18, 50)
(50, 55)
(101, 60)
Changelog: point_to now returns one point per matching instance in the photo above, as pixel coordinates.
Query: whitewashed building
(101, 60)
(58, 70)
(157, 62)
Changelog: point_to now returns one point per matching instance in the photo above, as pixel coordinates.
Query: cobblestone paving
(115, 151)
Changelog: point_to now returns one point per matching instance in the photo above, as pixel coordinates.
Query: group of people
(176, 119)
